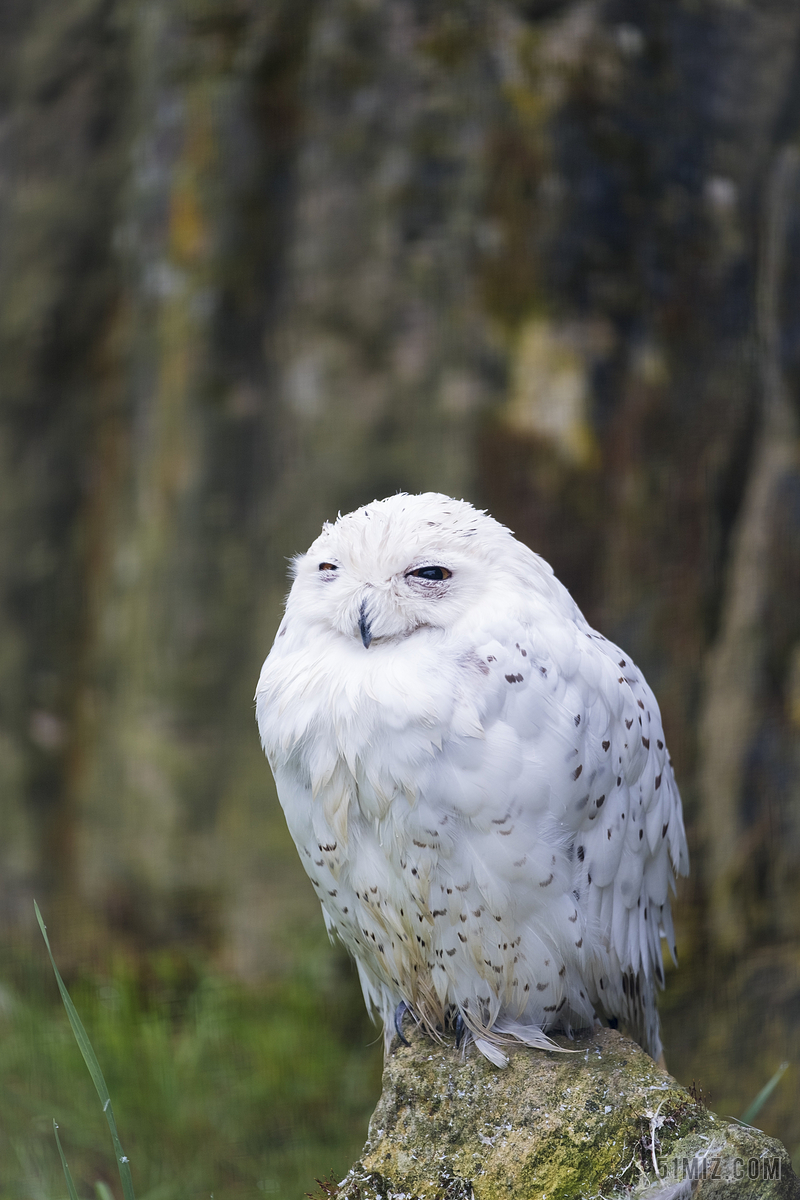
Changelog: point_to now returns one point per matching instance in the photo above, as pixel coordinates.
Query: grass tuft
(752, 1110)
(73, 1195)
(90, 1058)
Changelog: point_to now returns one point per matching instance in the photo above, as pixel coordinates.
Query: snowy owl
(476, 780)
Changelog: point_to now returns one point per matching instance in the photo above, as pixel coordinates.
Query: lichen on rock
(595, 1119)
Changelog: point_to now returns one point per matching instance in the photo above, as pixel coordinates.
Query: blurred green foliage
(219, 1089)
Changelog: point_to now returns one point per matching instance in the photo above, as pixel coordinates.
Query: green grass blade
(103, 1191)
(73, 1195)
(749, 1115)
(90, 1058)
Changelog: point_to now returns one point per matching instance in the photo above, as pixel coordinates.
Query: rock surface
(602, 1120)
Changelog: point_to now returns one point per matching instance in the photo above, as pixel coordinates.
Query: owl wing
(630, 844)
(593, 724)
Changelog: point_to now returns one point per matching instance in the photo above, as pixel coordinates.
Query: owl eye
(435, 574)
(328, 567)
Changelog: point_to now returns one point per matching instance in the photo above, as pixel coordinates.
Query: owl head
(405, 563)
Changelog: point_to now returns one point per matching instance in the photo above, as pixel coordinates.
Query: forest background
(261, 262)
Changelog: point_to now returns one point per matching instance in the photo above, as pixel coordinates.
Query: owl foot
(399, 1013)
(461, 1029)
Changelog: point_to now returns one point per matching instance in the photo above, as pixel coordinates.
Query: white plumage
(476, 780)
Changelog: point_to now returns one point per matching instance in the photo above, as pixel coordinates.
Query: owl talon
(399, 1013)
(461, 1029)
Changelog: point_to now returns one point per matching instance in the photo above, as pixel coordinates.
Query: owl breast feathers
(476, 780)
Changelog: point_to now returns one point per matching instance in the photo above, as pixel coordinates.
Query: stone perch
(601, 1122)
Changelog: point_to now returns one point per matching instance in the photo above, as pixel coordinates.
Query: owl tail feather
(489, 1050)
(504, 1033)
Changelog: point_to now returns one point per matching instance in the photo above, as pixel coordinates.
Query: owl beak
(363, 626)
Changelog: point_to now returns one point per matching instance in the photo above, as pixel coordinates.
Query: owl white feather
(476, 780)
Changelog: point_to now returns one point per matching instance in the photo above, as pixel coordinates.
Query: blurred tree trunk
(260, 263)
(733, 693)
(64, 74)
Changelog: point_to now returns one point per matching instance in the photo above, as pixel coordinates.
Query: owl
(475, 779)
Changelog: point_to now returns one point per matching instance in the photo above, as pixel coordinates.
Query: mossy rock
(601, 1120)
